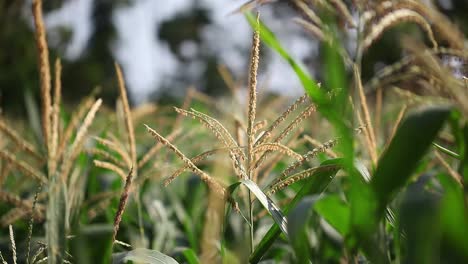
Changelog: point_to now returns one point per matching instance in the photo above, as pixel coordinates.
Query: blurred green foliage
(410, 211)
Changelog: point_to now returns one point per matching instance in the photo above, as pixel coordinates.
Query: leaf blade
(314, 185)
(143, 255)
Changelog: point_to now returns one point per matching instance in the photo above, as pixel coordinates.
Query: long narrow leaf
(335, 211)
(314, 185)
(409, 145)
(142, 255)
(331, 207)
(272, 208)
(368, 201)
(297, 225)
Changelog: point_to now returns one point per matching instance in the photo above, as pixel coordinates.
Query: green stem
(446, 151)
(140, 217)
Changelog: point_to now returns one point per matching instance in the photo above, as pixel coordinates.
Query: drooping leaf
(272, 208)
(297, 228)
(143, 255)
(314, 185)
(411, 141)
(369, 201)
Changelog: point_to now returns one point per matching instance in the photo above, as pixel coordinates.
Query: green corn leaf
(420, 219)
(411, 141)
(454, 219)
(190, 256)
(330, 207)
(142, 255)
(314, 185)
(297, 228)
(272, 208)
(335, 211)
(395, 167)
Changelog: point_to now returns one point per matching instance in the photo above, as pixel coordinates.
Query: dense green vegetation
(356, 170)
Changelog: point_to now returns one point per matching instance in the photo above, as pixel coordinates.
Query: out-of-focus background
(365, 170)
(163, 47)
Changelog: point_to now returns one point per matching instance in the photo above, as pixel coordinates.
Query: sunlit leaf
(314, 185)
(142, 255)
(272, 208)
